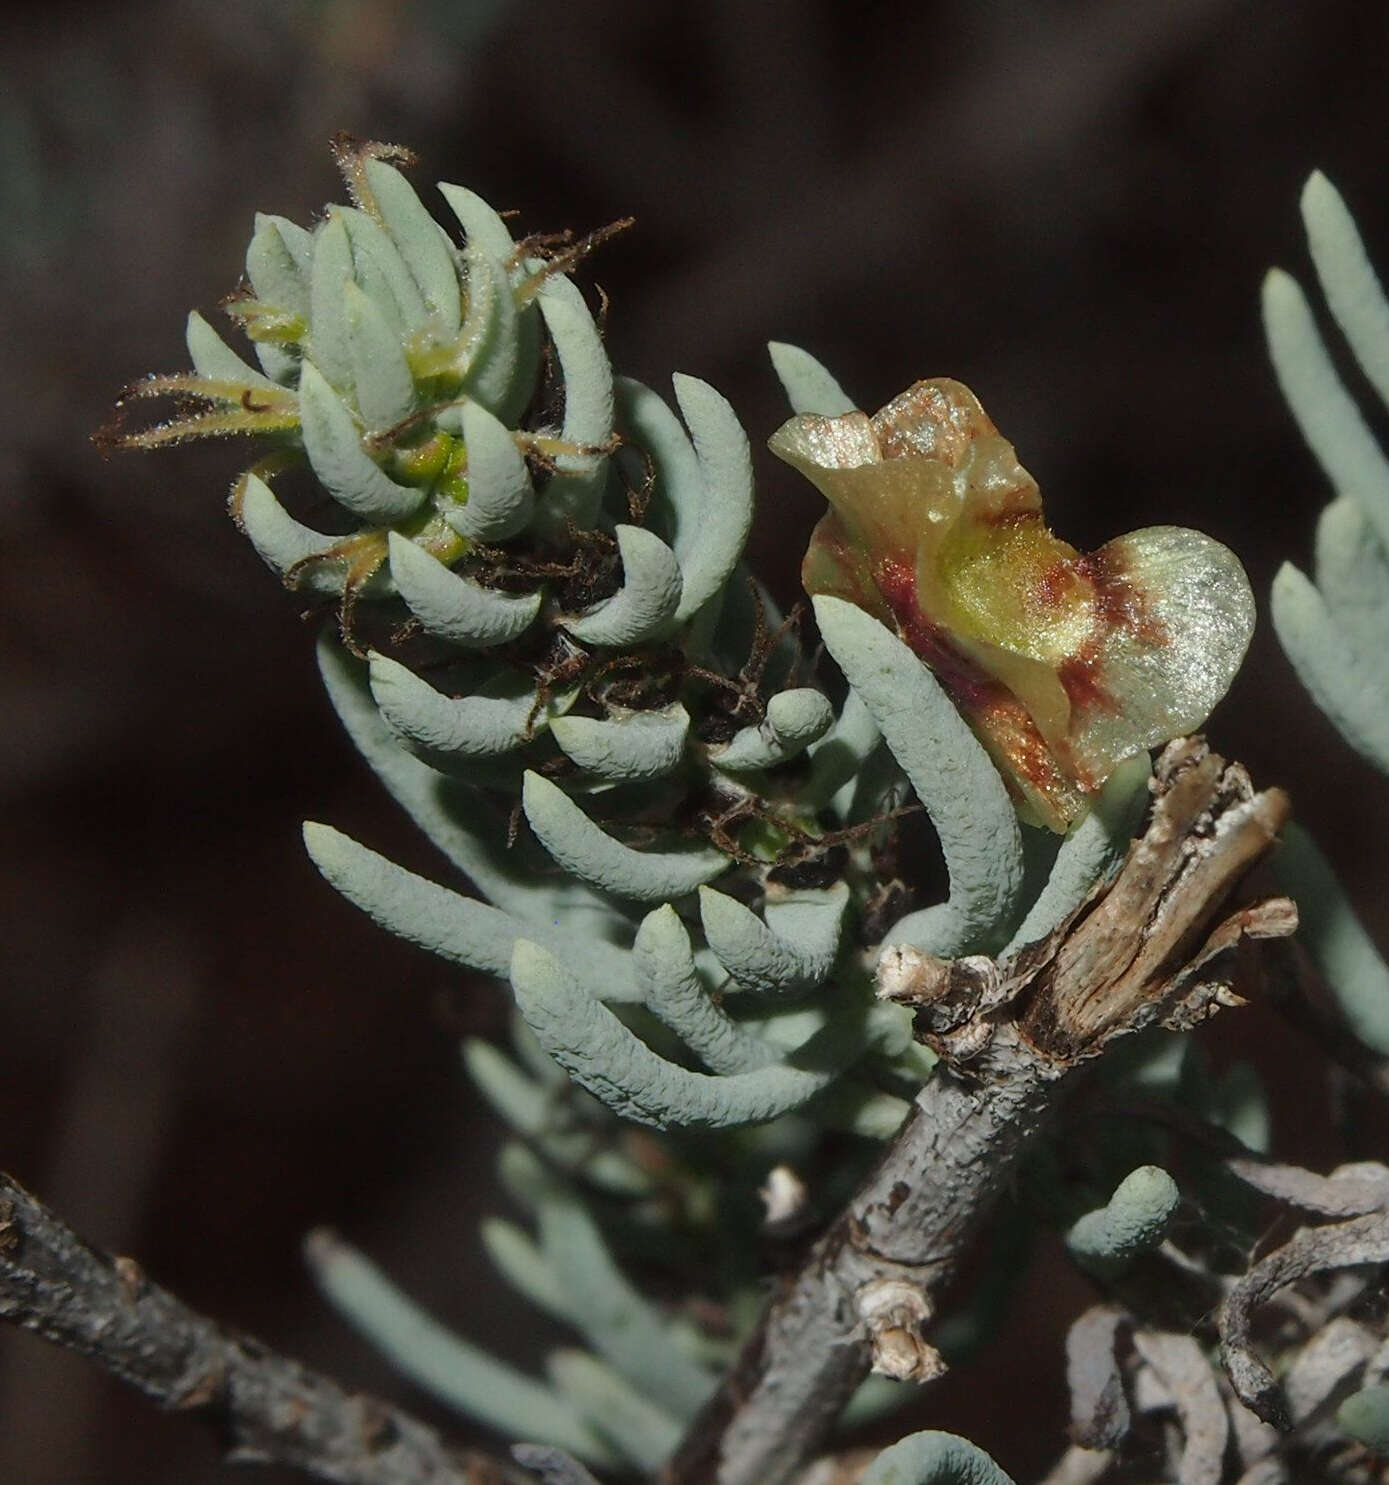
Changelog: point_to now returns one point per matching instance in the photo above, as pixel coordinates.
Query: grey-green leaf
(576, 488)
(456, 608)
(641, 608)
(1346, 687)
(1336, 939)
(442, 1363)
(794, 720)
(953, 777)
(1348, 279)
(480, 223)
(616, 1066)
(933, 1458)
(790, 953)
(1353, 579)
(493, 347)
(212, 357)
(521, 1263)
(588, 382)
(546, 1118)
(810, 388)
(278, 263)
(420, 240)
(461, 821)
(590, 853)
(348, 472)
(620, 1325)
(382, 272)
(640, 745)
(1109, 1239)
(725, 513)
(1094, 847)
(838, 758)
(644, 1433)
(332, 268)
(500, 495)
(283, 543)
(457, 928)
(1330, 421)
(465, 728)
(675, 993)
(381, 379)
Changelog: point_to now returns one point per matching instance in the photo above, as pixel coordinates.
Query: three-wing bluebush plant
(693, 848)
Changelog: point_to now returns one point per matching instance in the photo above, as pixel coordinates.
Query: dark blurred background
(1067, 205)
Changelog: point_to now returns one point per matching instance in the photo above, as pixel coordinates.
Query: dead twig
(266, 1408)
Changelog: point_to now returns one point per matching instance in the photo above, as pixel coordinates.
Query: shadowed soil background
(1069, 206)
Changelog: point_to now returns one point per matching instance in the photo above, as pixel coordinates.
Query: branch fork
(1166, 942)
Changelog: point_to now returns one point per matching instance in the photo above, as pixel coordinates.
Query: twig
(1152, 947)
(267, 1408)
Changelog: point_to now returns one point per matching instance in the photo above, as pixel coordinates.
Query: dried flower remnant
(1064, 663)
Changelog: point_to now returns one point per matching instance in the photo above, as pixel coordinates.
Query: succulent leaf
(482, 226)
(279, 261)
(718, 527)
(1334, 674)
(952, 775)
(517, 1257)
(500, 497)
(640, 1430)
(284, 544)
(1336, 939)
(1332, 424)
(495, 357)
(444, 1364)
(457, 928)
(213, 358)
(675, 993)
(489, 723)
(792, 952)
(420, 242)
(794, 720)
(546, 1119)
(459, 820)
(809, 387)
(643, 606)
(934, 1459)
(616, 1066)
(587, 851)
(622, 1327)
(1134, 1221)
(328, 336)
(634, 746)
(334, 448)
(1094, 847)
(1353, 291)
(454, 607)
(1352, 571)
(382, 383)
(381, 271)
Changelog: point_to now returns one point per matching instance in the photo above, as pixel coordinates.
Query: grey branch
(267, 1408)
(1159, 945)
